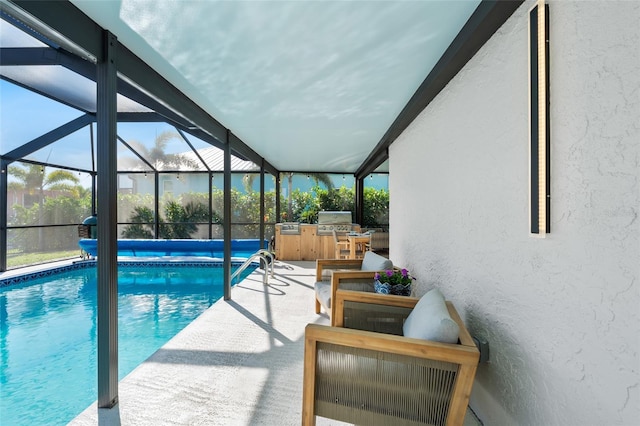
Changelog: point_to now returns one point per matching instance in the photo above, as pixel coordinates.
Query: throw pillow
(430, 320)
(375, 262)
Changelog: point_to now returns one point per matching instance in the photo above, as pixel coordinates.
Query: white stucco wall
(561, 313)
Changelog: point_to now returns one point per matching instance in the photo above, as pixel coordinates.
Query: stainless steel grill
(341, 222)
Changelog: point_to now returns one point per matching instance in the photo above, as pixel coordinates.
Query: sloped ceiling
(310, 86)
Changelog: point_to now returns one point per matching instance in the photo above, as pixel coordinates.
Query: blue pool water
(48, 332)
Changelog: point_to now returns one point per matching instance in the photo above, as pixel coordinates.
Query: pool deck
(239, 363)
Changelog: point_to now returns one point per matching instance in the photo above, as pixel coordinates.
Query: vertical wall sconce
(539, 118)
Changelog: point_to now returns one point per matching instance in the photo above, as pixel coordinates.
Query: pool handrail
(265, 256)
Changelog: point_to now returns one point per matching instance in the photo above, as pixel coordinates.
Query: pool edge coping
(20, 278)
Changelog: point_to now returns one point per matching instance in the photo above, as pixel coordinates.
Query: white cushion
(323, 289)
(430, 320)
(375, 262)
(323, 293)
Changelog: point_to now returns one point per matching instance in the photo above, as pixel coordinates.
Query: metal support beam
(4, 166)
(359, 194)
(94, 175)
(262, 210)
(210, 174)
(156, 204)
(193, 149)
(278, 191)
(226, 222)
(107, 227)
(48, 138)
(11, 56)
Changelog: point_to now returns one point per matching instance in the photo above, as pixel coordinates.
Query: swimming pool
(48, 331)
(209, 248)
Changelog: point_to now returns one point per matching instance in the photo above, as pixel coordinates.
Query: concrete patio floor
(239, 363)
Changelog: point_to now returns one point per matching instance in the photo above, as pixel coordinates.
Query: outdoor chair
(379, 242)
(341, 247)
(349, 274)
(420, 370)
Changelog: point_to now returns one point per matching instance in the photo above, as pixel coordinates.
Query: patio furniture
(379, 241)
(349, 274)
(357, 245)
(341, 247)
(384, 377)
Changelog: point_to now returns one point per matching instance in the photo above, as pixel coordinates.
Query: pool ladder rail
(265, 256)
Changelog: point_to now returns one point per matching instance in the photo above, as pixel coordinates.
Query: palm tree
(34, 179)
(317, 178)
(247, 181)
(157, 157)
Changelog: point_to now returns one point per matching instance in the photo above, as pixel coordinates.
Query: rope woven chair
(370, 377)
(349, 274)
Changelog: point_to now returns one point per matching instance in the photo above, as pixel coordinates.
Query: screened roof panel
(72, 151)
(129, 162)
(25, 115)
(65, 85)
(160, 144)
(61, 83)
(10, 36)
(214, 157)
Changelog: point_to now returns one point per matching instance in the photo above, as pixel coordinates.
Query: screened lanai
(169, 185)
(170, 176)
(320, 124)
(302, 88)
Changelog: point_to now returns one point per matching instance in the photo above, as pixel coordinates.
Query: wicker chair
(374, 378)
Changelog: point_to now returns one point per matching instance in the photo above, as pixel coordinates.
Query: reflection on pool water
(48, 332)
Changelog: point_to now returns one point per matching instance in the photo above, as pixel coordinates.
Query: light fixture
(540, 131)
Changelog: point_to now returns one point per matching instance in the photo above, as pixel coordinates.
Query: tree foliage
(306, 205)
(157, 155)
(60, 210)
(34, 178)
(179, 221)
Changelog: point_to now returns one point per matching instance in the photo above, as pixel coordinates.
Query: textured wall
(561, 313)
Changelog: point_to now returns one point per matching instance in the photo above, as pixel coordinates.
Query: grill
(340, 222)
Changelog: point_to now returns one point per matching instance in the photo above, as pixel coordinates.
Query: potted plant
(393, 282)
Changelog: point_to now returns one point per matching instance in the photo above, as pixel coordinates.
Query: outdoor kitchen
(303, 241)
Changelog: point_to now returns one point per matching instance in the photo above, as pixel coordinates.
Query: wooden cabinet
(287, 246)
(306, 244)
(309, 244)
